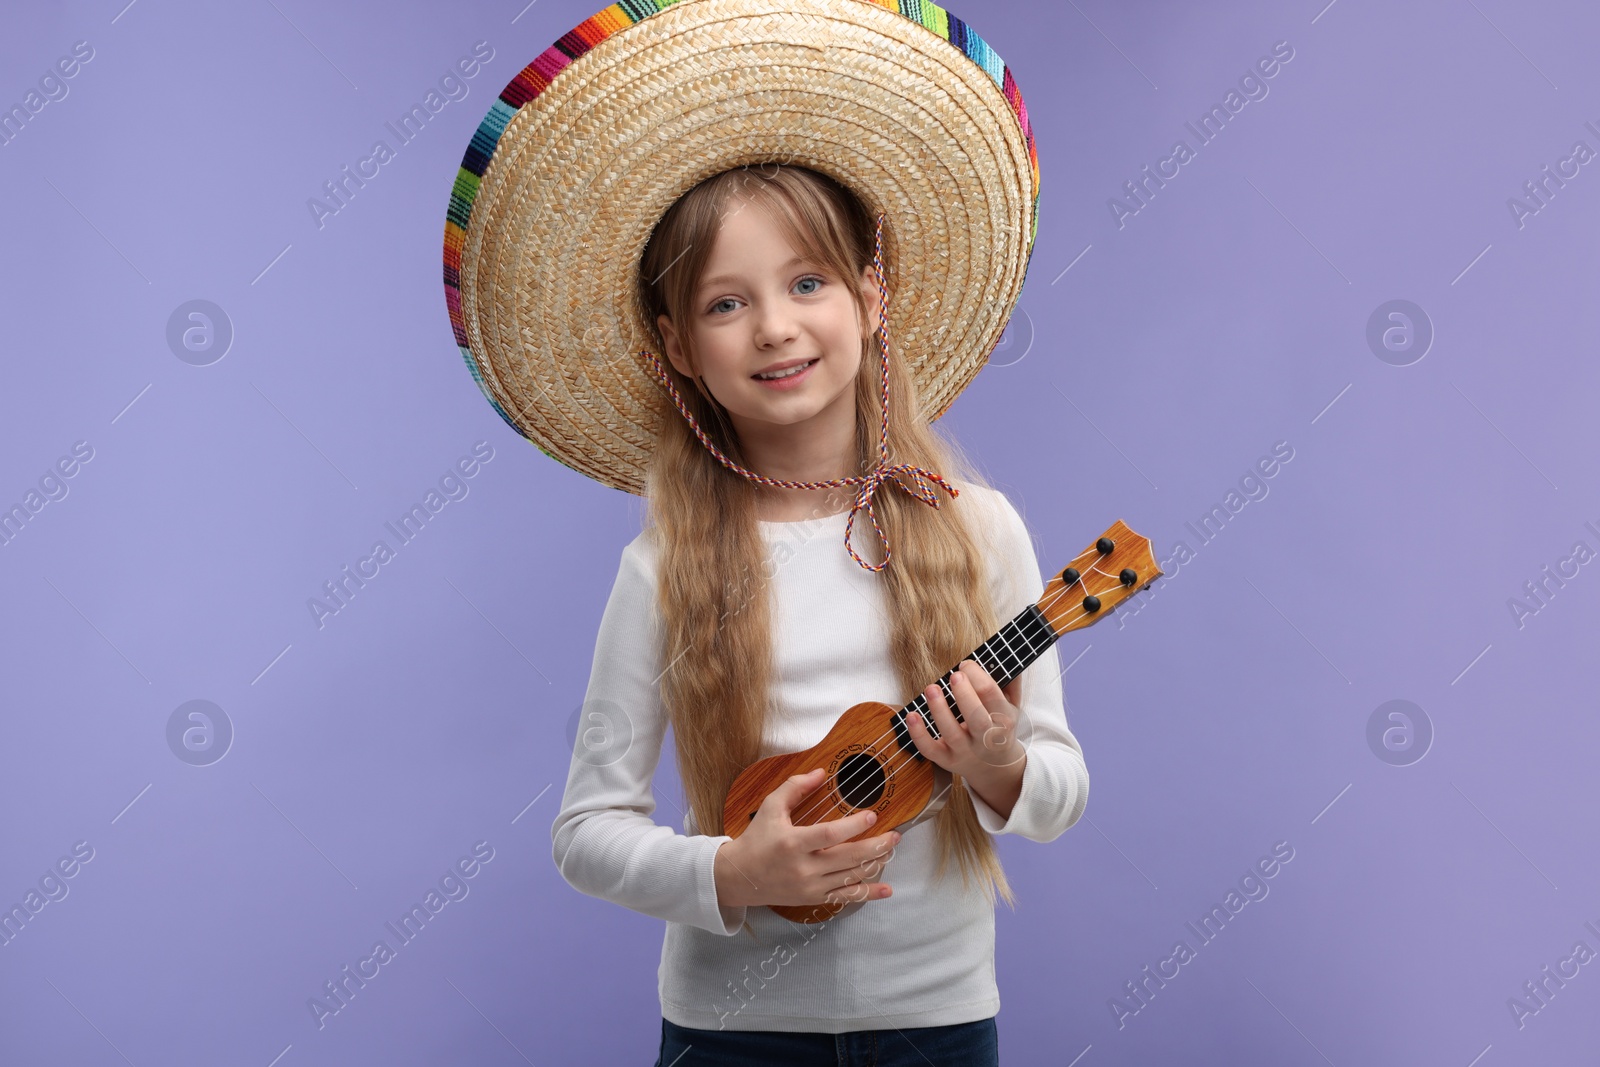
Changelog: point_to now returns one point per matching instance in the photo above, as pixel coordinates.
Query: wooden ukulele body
(858, 754)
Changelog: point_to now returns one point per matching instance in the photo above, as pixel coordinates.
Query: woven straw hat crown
(590, 144)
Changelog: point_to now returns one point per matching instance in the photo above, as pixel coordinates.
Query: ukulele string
(907, 758)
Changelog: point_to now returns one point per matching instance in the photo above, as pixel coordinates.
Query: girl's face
(760, 307)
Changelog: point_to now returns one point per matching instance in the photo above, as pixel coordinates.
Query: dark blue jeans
(975, 1044)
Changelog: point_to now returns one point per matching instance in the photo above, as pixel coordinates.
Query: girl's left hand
(984, 747)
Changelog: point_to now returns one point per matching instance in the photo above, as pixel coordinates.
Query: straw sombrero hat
(588, 146)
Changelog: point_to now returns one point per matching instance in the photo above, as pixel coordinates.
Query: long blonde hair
(714, 569)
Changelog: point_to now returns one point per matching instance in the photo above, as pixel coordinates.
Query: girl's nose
(774, 324)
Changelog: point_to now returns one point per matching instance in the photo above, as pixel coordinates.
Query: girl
(759, 252)
(784, 277)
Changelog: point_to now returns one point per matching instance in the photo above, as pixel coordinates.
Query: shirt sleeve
(1055, 780)
(604, 841)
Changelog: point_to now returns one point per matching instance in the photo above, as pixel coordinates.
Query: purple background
(1230, 713)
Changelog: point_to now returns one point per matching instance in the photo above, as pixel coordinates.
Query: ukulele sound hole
(860, 780)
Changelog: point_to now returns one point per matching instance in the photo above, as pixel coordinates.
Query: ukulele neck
(1004, 655)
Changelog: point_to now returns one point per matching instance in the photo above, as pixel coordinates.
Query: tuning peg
(1070, 576)
(1105, 545)
(1091, 604)
(1128, 576)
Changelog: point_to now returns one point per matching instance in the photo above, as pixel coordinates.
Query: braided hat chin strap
(882, 472)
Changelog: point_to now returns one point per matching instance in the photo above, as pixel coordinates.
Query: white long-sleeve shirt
(921, 957)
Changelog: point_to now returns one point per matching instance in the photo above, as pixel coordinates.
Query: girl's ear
(669, 338)
(869, 288)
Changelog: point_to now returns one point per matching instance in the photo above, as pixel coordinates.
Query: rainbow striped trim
(533, 79)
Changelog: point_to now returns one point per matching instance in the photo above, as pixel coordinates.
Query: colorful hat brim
(588, 145)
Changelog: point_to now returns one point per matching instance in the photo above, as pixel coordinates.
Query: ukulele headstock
(1117, 565)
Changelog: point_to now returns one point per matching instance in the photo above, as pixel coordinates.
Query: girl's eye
(820, 281)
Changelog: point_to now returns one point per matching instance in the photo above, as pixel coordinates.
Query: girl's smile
(786, 375)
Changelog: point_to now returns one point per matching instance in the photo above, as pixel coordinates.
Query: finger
(798, 786)
(993, 726)
(853, 854)
(1013, 691)
(979, 693)
(943, 717)
(990, 718)
(855, 892)
(922, 737)
(857, 866)
(880, 850)
(830, 832)
(794, 789)
(847, 894)
(971, 704)
(868, 867)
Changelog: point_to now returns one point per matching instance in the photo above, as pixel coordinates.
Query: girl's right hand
(776, 862)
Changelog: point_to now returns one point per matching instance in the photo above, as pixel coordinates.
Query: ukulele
(869, 757)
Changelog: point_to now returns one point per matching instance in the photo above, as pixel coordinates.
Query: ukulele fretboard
(1005, 655)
